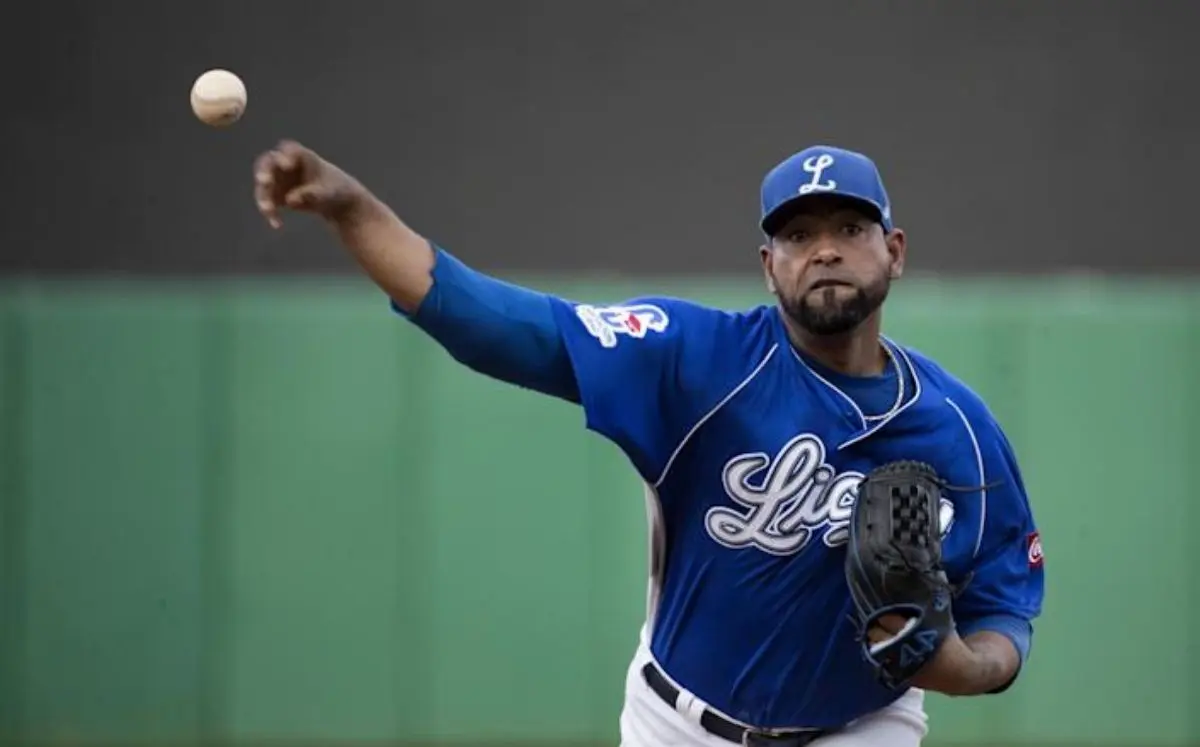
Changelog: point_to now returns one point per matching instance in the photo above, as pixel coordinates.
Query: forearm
(978, 664)
(396, 258)
(495, 328)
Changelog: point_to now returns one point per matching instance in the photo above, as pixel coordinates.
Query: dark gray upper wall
(1014, 135)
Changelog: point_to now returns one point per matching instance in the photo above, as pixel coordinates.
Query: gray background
(1014, 136)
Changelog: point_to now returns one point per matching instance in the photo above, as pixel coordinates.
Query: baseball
(219, 98)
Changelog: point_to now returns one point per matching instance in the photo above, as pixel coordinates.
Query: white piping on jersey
(886, 417)
(857, 410)
(654, 513)
(900, 387)
(982, 476)
(745, 382)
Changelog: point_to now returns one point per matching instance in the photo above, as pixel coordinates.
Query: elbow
(476, 358)
(536, 365)
(493, 328)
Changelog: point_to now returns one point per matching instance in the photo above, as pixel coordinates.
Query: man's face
(831, 265)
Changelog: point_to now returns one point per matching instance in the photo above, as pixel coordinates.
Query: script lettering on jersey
(636, 320)
(799, 495)
(816, 166)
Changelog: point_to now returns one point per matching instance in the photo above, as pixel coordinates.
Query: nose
(826, 253)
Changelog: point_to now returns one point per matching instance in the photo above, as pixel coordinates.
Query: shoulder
(965, 424)
(648, 367)
(949, 394)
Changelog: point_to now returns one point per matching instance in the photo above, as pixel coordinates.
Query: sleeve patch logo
(1034, 541)
(636, 321)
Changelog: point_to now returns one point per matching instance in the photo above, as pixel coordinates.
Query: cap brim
(774, 221)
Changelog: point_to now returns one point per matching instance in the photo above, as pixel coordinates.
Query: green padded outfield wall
(244, 511)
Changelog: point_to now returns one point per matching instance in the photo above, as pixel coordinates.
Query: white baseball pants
(647, 721)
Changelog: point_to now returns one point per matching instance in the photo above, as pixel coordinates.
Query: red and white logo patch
(605, 323)
(1034, 542)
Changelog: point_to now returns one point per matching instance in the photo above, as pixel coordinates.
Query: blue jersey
(752, 455)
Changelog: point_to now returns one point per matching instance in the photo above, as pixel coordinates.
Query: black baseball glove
(894, 568)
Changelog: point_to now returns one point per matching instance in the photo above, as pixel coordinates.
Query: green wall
(243, 511)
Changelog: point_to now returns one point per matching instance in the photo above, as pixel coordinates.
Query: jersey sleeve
(628, 360)
(499, 329)
(1007, 574)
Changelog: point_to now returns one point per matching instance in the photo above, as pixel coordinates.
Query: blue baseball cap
(822, 170)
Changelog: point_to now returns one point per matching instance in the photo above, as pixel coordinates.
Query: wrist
(355, 206)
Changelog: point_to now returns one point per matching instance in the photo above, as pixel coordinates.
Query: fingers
(303, 197)
(886, 627)
(292, 149)
(264, 188)
(892, 623)
(276, 173)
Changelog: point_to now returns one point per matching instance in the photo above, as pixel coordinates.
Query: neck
(855, 353)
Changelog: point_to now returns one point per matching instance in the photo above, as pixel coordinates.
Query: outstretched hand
(293, 176)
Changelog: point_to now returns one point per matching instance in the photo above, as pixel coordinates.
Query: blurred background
(244, 503)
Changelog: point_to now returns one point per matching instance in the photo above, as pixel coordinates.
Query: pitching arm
(495, 328)
(504, 331)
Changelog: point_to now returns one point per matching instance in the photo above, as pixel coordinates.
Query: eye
(798, 236)
(852, 229)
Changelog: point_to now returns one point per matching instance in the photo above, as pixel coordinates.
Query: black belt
(715, 723)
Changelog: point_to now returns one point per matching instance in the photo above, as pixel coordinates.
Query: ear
(897, 246)
(767, 263)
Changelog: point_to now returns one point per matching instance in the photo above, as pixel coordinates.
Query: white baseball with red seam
(219, 98)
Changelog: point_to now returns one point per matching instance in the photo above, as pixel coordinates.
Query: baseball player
(755, 432)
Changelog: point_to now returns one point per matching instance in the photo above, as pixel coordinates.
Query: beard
(828, 311)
